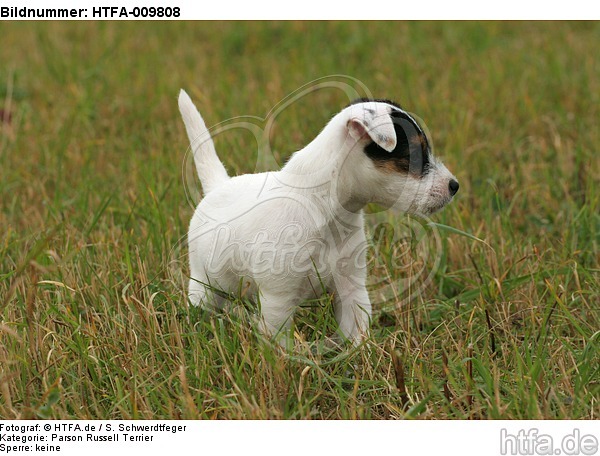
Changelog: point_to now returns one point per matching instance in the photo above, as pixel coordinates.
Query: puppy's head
(392, 159)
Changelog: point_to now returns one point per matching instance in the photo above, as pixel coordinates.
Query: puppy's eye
(419, 154)
(416, 161)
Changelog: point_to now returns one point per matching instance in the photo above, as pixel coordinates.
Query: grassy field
(93, 317)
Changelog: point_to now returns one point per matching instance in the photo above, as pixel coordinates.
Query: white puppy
(290, 234)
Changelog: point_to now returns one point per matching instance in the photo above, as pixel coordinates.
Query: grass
(93, 318)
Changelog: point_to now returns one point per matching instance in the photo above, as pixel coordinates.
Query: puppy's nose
(453, 186)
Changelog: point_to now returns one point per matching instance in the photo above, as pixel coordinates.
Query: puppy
(287, 235)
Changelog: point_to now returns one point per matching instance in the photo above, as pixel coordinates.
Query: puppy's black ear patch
(411, 154)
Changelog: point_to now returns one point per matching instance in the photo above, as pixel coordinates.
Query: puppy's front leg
(352, 309)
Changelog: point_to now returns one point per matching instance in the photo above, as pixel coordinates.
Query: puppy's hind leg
(196, 292)
(199, 294)
(277, 315)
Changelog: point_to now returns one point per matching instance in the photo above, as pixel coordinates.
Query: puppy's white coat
(285, 234)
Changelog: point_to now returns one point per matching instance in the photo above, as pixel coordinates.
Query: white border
(348, 10)
(464, 438)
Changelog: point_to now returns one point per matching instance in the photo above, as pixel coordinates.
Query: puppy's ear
(376, 124)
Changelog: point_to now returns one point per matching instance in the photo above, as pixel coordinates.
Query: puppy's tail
(211, 171)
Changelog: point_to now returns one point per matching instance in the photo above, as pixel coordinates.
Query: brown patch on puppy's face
(393, 165)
